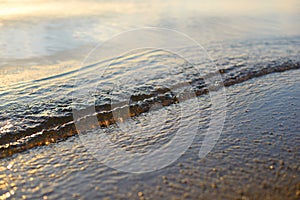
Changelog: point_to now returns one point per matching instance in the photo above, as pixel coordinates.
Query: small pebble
(281, 162)
(140, 194)
(264, 184)
(186, 195)
(184, 181)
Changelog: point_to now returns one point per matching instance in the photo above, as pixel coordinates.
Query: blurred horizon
(14, 9)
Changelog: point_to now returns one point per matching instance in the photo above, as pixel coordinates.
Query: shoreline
(256, 157)
(56, 129)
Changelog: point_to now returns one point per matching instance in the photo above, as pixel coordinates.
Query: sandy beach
(149, 99)
(256, 157)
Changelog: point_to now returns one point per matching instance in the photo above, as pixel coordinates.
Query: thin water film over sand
(138, 99)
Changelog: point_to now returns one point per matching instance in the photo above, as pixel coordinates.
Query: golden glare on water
(30, 32)
(17, 9)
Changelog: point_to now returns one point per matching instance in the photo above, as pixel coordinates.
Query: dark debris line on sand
(59, 128)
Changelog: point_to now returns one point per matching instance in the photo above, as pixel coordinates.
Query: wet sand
(256, 157)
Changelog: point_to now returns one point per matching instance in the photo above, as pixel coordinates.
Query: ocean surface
(253, 47)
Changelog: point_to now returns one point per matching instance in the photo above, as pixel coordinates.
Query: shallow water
(40, 111)
(253, 48)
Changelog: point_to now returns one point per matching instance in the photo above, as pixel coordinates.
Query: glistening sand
(255, 46)
(256, 157)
